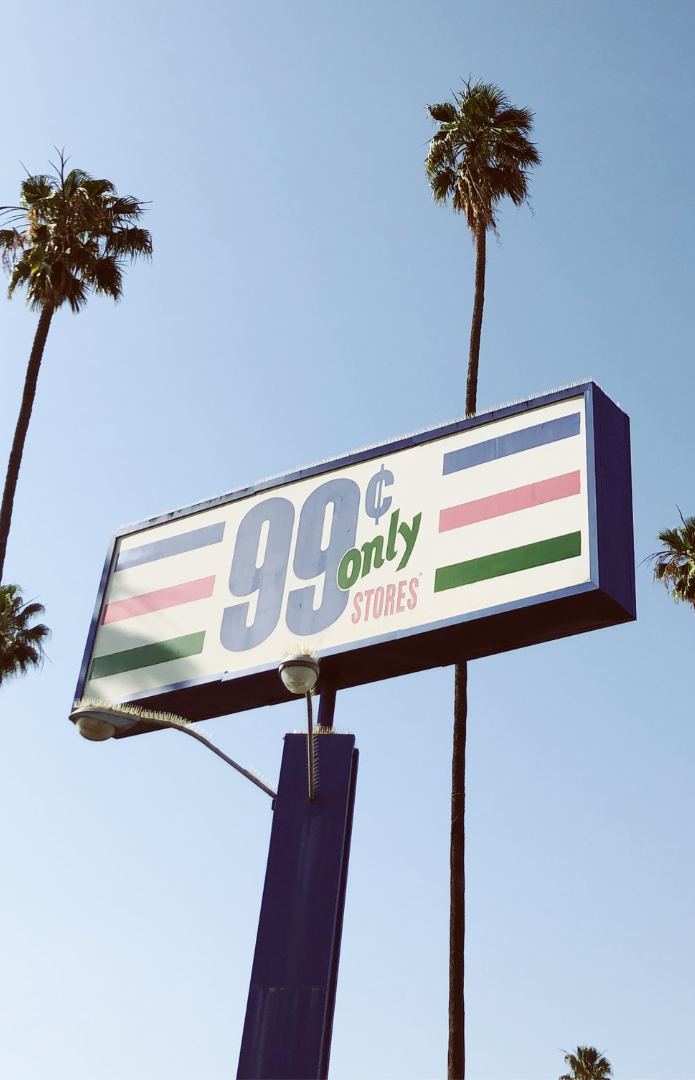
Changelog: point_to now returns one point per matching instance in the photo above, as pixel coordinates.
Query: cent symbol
(376, 503)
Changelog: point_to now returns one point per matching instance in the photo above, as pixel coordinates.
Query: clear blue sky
(306, 297)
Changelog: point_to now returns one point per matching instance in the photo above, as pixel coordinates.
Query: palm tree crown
(21, 644)
(70, 236)
(674, 565)
(481, 153)
(587, 1064)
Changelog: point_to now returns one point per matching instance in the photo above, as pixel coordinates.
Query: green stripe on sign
(508, 562)
(147, 655)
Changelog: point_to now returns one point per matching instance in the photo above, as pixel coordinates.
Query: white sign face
(400, 543)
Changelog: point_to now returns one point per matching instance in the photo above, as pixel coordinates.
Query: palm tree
(70, 236)
(587, 1064)
(675, 563)
(21, 644)
(479, 155)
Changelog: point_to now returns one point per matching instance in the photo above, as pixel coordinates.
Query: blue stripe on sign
(173, 545)
(526, 439)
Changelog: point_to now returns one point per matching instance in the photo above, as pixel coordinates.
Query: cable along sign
(488, 534)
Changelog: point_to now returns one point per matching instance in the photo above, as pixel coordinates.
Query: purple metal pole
(289, 1015)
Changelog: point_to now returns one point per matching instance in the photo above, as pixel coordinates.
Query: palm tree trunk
(457, 912)
(21, 429)
(457, 882)
(477, 322)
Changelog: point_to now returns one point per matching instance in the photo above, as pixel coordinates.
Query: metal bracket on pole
(327, 690)
(310, 748)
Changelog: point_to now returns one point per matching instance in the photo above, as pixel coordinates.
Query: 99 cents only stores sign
(488, 534)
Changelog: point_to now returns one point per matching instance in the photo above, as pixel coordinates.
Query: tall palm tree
(674, 565)
(69, 236)
(480, 155)
(21, 643)
(587, 1064)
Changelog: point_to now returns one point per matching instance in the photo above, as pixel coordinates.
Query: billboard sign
(486, 534)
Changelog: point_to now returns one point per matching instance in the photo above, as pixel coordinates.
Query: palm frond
(482, 139)
(443, 113)
(106, 277)
(76, 292)
(11, 247)
(587, 1063)
(21, 272)
(674, 563)
(96, 190)
(21, 639)
(10, 238)
(72, 234)
(132, 241)
(128, 208)
(35, 188)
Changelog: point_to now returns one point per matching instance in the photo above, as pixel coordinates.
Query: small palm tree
(21, 643)
(674, 565)
(70, 236)
(587, 1064)
(480, 155)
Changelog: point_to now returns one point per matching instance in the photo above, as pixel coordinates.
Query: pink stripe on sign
(507, 502)
(159, 600)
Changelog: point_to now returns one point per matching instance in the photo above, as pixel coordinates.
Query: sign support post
(289, 1015)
